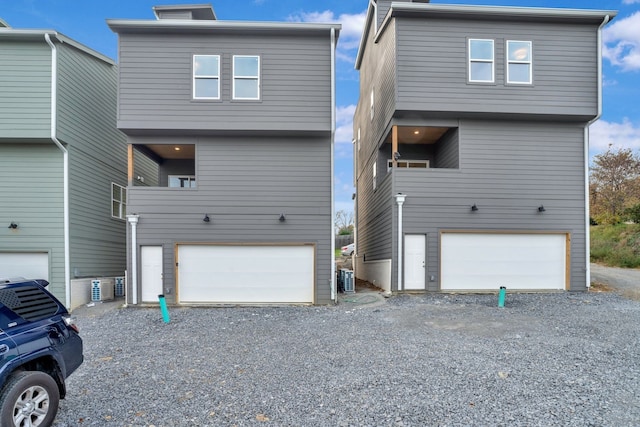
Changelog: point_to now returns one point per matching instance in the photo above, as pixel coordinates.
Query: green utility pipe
(501, 296)
(163, 308)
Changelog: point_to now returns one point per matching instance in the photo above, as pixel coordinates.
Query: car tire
(29, 396)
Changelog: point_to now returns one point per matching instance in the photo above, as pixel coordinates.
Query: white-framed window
(372, 107)
(206, 76)
(481, 61)
(182, 181)
(118, 201)
(519, 62)
(375, 173)
(246, 77)
(358, 139)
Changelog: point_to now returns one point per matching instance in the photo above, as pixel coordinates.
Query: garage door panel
(246, 274)
(478, 261)
(31, 265)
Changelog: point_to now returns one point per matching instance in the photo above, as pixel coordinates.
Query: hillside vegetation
(616, 245)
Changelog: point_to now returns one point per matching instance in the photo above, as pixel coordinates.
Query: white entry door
(151, 260)
(414, 261)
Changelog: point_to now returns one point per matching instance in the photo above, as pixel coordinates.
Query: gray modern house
(230, 129)
(63, 163)
(471, 146)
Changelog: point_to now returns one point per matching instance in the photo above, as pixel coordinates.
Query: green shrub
(633, 214)
(616, 245)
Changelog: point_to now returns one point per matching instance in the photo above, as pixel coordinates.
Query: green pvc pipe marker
(501, 296)
(163, 308)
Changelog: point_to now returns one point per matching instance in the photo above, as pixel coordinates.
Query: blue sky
(84, 21)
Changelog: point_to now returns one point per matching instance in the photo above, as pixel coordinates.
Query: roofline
(175, 24)
(519, 11)
(207, 6)
(488, 12)
(39, 34)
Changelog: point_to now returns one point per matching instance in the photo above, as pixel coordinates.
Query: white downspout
(133, 220)
(587, 216)
(65, 172)
(400, 200)
(332, 281)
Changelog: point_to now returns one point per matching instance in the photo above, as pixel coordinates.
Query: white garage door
(31, 265)
(245, 274)
(478, 261)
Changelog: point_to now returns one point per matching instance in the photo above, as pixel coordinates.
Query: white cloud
(622, 42)
(602, 134)
(630, 1)
(352, 25)
(344, 124)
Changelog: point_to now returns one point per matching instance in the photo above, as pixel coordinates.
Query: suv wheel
(29, 398)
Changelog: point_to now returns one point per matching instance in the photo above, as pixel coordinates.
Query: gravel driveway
(624, 280)
(565, 359)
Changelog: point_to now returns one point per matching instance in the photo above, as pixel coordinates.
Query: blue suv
(39, 348)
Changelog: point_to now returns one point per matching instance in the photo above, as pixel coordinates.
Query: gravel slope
(432, 360)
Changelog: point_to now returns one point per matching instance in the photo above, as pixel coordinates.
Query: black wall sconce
(282, 218)
(13, 226)
(396, 156)
(541, 208)
(206, 218)
(474, 208)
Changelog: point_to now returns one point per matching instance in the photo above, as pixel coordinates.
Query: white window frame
(205, 77)
(256, 77)
(189, 178)
(372, 107)
(375, 174)
(358, 139)
(121, 202)
(492, 61)
(528, 62)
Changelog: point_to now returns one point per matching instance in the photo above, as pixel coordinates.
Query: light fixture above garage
(13, 226)
(282, 218)
(206, 218)
(474, 208)
(541, 208)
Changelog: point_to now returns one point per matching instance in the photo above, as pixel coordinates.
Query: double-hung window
(206, 76)
(481, 61)
(519, 62)
(246, 77)
(118, 201)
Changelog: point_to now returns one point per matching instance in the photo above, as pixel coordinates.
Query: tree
(614, 184)
(344, 222)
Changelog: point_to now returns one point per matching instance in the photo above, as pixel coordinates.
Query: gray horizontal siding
(87, 108)
(156, 83)
(32, 197)
(508, 169)
(432, 68)
(244, 184)
(25, 89)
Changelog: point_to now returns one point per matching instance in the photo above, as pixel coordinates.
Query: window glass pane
(245, 66)
(519, 73)
(123, 199)
(206, 88)
(115, 192)
(174, 181)
(519, 51)
(481, 49)
(115, 209)
(205, 65)
(246, 88)
(481, 71)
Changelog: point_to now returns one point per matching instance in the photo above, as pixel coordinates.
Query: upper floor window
(372, 106)
(206, 76)
(481, 61)
(375, 175)
(246, 77)
(182, 181)
(118, 201)
(519, 62)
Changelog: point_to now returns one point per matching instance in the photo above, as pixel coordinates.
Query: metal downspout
(587, 222)
(400, 198)
(65, 173)
(332, 280)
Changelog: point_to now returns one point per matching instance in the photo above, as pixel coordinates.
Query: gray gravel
(431, 360)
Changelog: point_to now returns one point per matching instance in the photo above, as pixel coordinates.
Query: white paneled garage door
(245, 274)
(484, 261)
(31, 265)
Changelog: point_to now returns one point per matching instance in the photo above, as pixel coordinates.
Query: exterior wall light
(541, 208)
(282, 218)
(13, 226)
(206, 218)
(474, 208)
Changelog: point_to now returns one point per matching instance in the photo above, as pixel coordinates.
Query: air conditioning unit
(119, 286)
(102, 289)
(349, 281)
